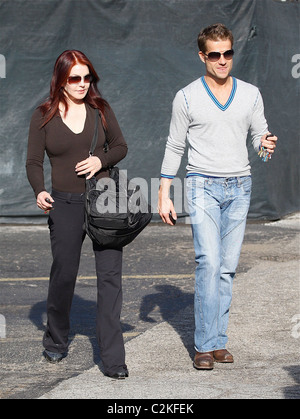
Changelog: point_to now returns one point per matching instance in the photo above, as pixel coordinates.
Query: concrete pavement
(157, 320)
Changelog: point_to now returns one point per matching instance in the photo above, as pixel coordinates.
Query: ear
(201, 56)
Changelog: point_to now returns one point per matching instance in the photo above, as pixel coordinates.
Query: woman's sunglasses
(215, 56)
(77, 79)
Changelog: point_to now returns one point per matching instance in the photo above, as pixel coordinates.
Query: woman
(63, 127)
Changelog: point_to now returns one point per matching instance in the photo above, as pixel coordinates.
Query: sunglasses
(77, 79)
(215, 56)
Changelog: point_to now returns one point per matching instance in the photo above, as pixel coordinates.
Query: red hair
(61, 72)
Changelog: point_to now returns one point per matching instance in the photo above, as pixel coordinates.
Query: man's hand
(268, 141)
(165, 205)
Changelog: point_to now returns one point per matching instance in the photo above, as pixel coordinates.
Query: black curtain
(144, 51)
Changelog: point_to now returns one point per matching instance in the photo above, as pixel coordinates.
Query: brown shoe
(204, 361)
(223, 356)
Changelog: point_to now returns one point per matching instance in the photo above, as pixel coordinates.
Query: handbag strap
(95, 138)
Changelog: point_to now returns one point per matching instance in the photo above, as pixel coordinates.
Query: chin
(223, 75)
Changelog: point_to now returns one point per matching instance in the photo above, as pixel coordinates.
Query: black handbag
(116, 211)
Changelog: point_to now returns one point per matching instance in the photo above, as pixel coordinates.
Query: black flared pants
(67, 235)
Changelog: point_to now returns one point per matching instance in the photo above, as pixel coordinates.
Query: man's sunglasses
(215, 56)
(77, 79)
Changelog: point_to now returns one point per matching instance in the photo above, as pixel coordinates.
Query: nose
(222, 60)
(81, 83)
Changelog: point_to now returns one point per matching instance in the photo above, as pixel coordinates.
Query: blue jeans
(218, 209)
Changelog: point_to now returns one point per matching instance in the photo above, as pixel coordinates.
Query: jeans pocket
(195, 187)
(246, 183)
(195, 197)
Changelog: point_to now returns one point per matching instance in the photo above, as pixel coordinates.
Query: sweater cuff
(167, 176)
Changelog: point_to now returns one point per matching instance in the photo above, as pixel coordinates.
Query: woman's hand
(42, 203)
(90, 165)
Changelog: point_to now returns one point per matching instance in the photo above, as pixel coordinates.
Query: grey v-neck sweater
(216, 134)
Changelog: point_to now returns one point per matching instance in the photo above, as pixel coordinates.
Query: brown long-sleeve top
(65, 149)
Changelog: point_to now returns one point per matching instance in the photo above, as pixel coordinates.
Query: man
(214, 113)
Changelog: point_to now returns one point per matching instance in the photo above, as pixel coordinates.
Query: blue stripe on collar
(215, 100)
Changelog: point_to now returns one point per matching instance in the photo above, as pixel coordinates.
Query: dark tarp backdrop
(144, 51)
